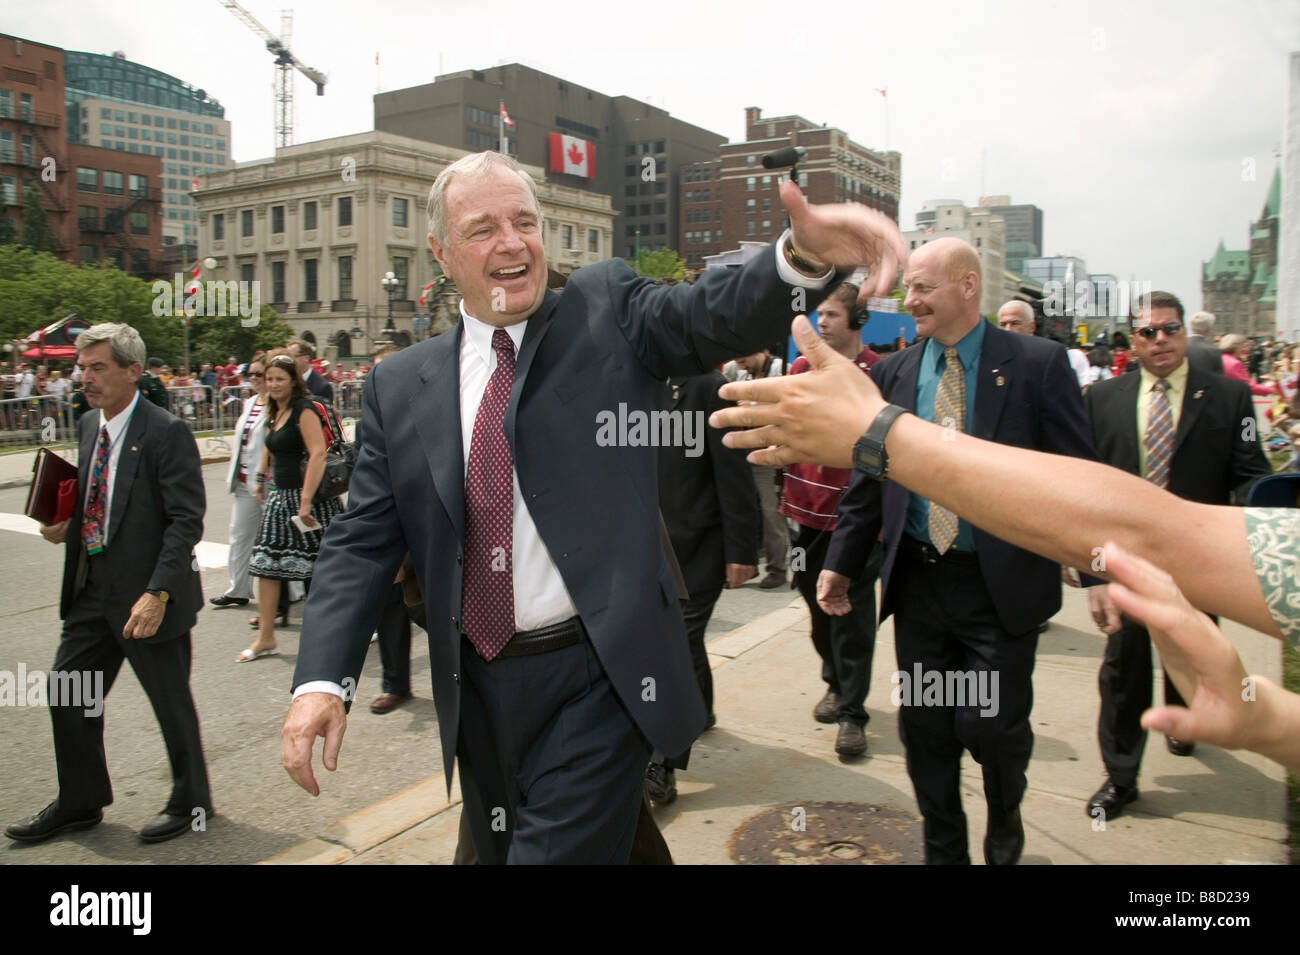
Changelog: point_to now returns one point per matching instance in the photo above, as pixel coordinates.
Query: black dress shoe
(166, 826)
(660, 784)
(711, 722)
(1111, 799)
(224, 601)
(850, 740)
(827, 708)
(50, 821)
(1005, 839)
(1178, 747)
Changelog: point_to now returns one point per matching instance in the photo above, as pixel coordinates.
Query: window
(645, 208)
(139, 185)
(277, 282)
(139, 261)
(87, 179)
(659, 228)
(139, 223)
(218, 226)
(401, 270)
(750, 206)
(345, 213)
(566, 236)
(661, 186)
(133, 133)
(87, 217)
(593, 240)
(309, 280)
(659, 145)
(629, 231)
(246, 224)
(119, 116)
(185, 140)
(171, 153)
(277, 223)
(629, 170)
(751, 160)
(749, 227)
(629, 190)
(660, 207)
(767, 182)
(749, 184)
(400, 207)
(171, 122)
(345, 276)
(309, 215)
(207, 127)
(6, 146)
(767, 226)
(767, 204)
(185, 124)
(246, 274)
(112, 183)
(88, 254)
(630, 150)
(105, 113)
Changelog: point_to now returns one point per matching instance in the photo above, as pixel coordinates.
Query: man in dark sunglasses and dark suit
(1194, 433)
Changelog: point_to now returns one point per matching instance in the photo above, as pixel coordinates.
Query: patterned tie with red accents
(92, 525)
(1159, 437)
(487, 591)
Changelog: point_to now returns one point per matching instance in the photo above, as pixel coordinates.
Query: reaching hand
(847, 235)
(817, 416)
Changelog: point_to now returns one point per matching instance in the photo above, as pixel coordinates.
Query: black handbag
(340, 456)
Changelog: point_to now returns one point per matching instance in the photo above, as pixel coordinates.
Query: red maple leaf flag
(573, 156)
(194, 186)
(506, 116)
(194, 272)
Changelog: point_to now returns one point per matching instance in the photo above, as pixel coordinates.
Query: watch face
(867, 458)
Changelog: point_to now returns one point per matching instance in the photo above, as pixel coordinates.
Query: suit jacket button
(456, 677)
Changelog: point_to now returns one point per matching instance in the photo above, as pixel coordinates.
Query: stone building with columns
(321, 224)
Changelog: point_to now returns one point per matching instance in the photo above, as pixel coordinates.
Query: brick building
(1240, 286)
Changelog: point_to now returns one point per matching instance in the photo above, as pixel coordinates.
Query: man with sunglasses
(1192, 432)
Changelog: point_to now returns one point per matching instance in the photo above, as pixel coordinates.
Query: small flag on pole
(506, 116)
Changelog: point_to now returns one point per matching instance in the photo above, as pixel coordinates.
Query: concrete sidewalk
(16, 466)
(766, 786)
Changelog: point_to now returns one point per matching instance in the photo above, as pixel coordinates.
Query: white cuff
(320, 686)
(792, 276)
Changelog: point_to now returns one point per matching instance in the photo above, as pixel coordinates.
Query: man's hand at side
(1104, 612)
(146, 617)
(737, 574)
(55, 533)
(312, 715)
(847, 235)
(833, 593)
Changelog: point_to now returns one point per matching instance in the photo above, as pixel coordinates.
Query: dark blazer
(155, 523)
(709, 502)
(1217, 450)
(1026, 396)
(318, 384)
(604, 345)
(1202, 354)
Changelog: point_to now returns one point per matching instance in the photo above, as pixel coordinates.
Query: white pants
(245, 521)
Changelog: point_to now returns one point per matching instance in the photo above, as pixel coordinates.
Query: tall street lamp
(390, 283)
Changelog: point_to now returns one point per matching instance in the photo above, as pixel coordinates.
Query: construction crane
(285, 63)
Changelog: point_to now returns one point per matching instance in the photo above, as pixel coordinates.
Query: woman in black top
(283, 552)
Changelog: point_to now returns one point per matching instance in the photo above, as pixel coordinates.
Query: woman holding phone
(292, 523)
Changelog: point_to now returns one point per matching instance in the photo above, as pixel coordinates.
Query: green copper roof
(1270, 290)
(1274, 201)
(1261, 274)
(1234, 263)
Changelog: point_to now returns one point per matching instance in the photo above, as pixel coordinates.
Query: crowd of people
(566, 646)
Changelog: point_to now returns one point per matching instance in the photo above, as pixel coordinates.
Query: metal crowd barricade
(347, 399)
(36, 421)
(200, 407)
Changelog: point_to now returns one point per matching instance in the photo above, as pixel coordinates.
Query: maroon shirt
(811, 493)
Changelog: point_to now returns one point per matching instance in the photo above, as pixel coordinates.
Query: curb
(363, 830)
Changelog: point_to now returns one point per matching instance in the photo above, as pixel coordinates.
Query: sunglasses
(1151, 331)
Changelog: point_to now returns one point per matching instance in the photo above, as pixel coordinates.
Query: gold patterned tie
(1159, 437)
(950, 414)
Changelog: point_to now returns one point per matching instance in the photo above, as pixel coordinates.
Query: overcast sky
(1133, 125)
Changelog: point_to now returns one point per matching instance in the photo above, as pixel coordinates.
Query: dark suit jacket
(709, 501)
(1202, 354)
(1026, 396)
(155, 522)
(318, 384)
(601, 347)
(1217, 450)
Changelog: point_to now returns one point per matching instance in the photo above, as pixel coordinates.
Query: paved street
(260, 812)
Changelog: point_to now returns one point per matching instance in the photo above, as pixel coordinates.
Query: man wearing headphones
(810, 497)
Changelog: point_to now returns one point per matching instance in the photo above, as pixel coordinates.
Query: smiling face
(494, 247)
(279, 382)
(943, 290)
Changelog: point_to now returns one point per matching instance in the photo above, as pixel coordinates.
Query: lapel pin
(133, 447)
(1001, 381)
(1199, 393)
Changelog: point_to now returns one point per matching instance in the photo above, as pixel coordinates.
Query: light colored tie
(1159, 437)
(949, 413)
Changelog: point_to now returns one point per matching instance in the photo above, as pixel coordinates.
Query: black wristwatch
(869, 454)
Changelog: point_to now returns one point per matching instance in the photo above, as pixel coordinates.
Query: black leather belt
(926, 553)
(526, 643)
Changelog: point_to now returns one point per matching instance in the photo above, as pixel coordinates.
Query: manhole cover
(829, 833)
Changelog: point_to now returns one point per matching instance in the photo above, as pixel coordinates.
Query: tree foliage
(660, 264)
(36, 229)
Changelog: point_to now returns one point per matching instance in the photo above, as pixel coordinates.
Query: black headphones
(858, 316)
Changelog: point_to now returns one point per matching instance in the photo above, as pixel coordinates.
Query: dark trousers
(89, 644)
(395, 643)
(845, 644)
(945, 621)
(696, 612)
(1125, 681)
(550, 762)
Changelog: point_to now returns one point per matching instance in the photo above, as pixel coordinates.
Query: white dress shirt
(116, 426)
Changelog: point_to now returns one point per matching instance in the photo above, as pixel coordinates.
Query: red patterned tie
(92, 525)
(488, 591)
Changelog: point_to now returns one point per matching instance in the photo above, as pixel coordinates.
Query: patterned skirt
(282, 551)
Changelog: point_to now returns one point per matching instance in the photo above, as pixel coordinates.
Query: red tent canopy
(62, 352)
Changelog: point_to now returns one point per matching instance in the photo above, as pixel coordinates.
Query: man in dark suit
(303, 353)
(710, 509)
(1201, 351)
(966, 605)
(130, 589)
(512, 458)
(1193, 432)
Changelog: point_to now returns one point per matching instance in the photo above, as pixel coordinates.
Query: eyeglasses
(257, 374)
(1151, 331)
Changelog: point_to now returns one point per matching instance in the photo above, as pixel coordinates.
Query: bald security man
(966, 605)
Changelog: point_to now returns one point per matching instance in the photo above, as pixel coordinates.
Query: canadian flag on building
(505, 117)
(572, 156)
(193, 285)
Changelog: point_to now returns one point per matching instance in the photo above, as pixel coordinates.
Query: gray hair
(128, 346)
(1016, 305)
(1202, 323)
(473, 166)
